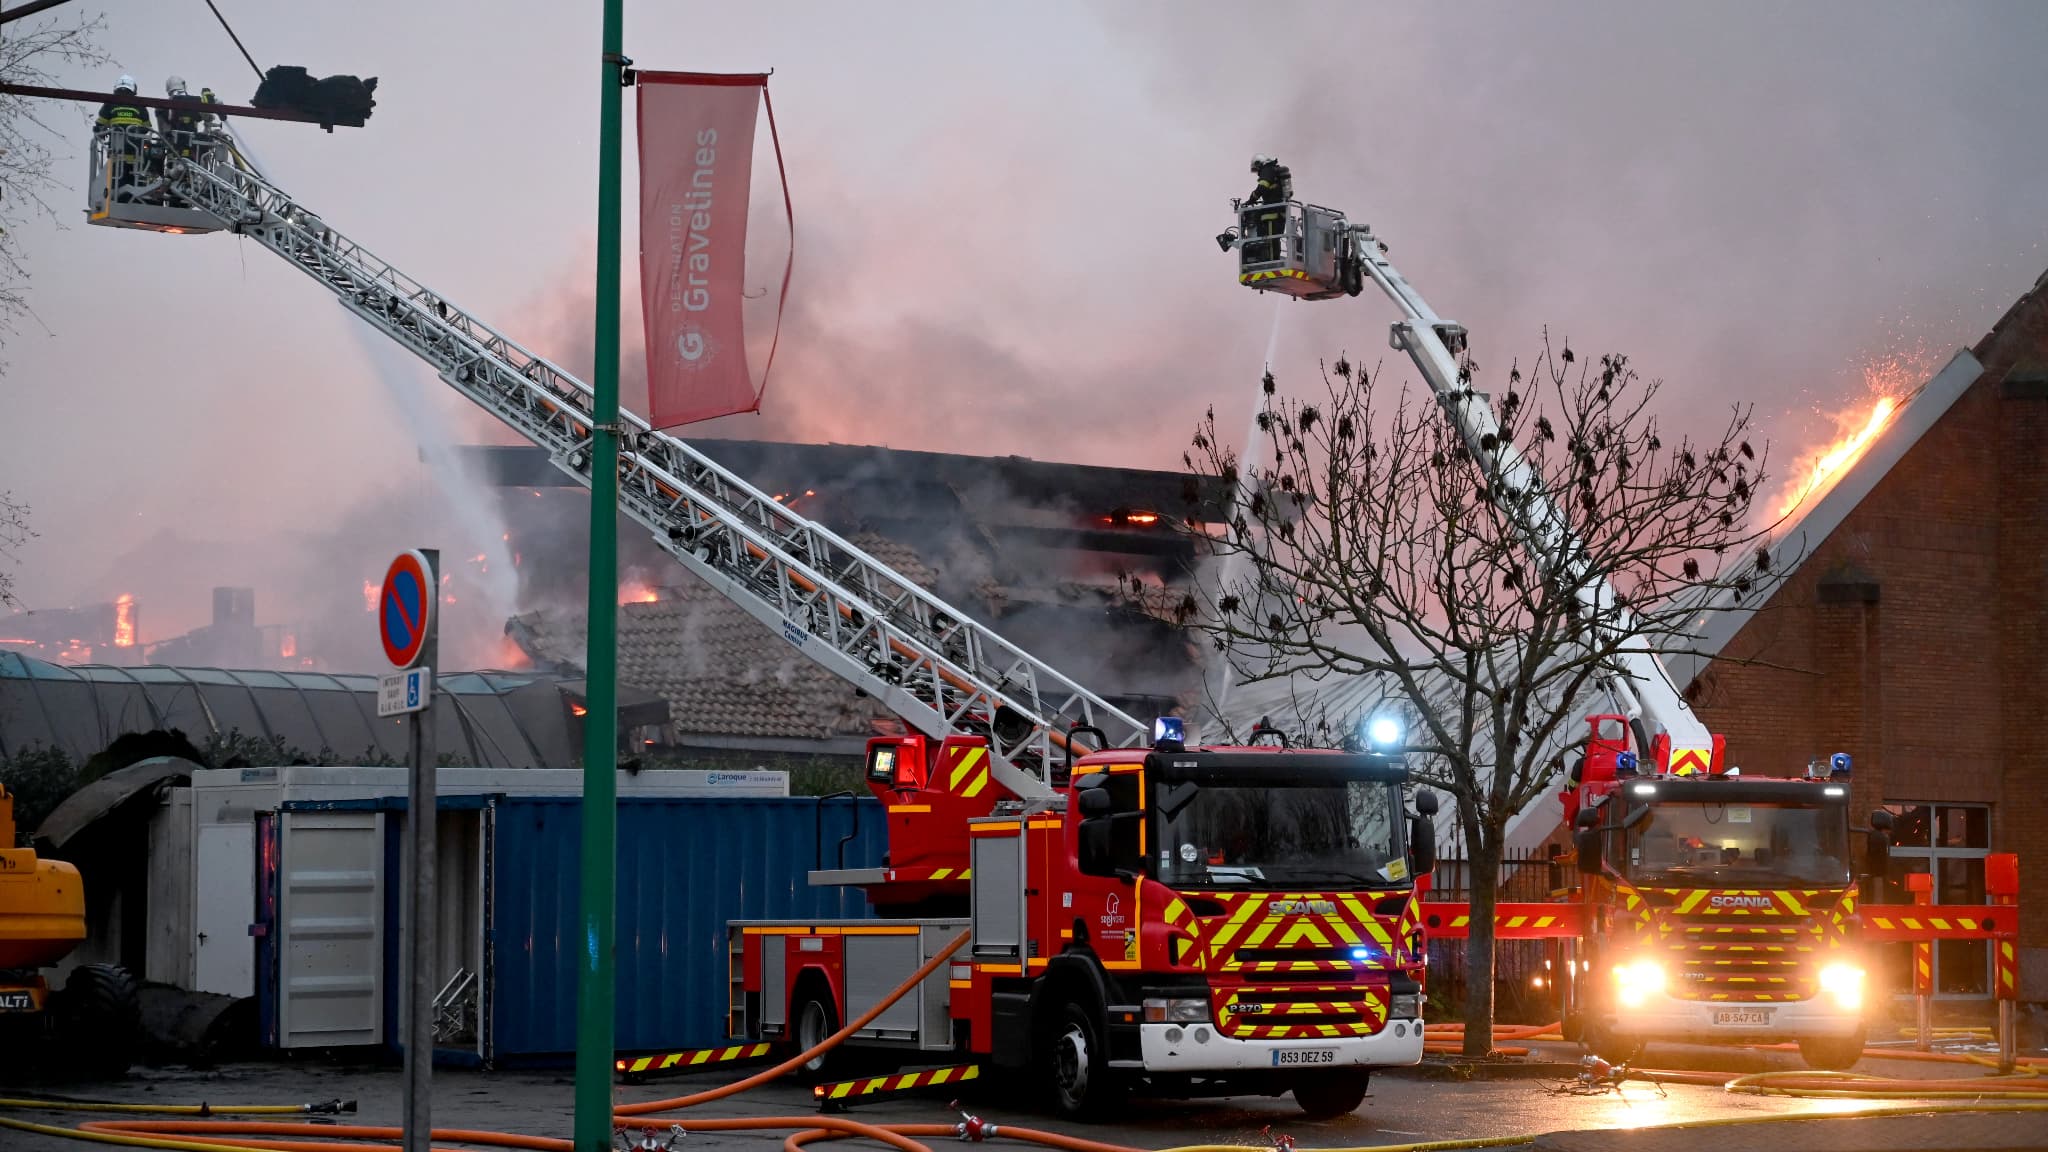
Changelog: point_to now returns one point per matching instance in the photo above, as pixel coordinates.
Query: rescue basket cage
(1303, 250)
(127, 184)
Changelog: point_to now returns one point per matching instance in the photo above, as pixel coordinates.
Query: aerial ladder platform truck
(1147, 913)
(1711, 906)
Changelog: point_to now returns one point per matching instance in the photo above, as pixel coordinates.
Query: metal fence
(1523, 990)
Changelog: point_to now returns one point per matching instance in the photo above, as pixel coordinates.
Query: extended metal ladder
(927, 662)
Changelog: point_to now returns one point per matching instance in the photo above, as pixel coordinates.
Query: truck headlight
(1405, 1006)
(1636, 981)
(1843, 983)
(1176, 1011)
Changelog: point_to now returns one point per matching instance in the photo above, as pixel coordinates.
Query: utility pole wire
(237, 39)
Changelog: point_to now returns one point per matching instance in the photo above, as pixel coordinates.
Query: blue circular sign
(405, 609)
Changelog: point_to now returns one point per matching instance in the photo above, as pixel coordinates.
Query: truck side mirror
(1095, 802)
(1096, 847)
(1421, 845)
(1591, 859)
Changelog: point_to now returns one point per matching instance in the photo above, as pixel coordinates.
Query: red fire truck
(1176, 920)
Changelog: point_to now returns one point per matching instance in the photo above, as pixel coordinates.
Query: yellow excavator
(91, 1025)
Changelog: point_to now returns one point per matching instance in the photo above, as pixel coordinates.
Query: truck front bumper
(1666, 1018)
(1201, 1048)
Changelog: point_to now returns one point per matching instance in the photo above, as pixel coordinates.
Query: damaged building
(1033, 549)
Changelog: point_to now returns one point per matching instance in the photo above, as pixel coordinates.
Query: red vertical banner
(696, 163)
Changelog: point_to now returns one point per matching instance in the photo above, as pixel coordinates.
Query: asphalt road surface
(1403, 1108)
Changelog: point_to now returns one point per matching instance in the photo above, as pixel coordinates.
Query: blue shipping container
(686, 866)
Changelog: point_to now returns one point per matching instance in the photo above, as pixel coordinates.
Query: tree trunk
(1483, 867)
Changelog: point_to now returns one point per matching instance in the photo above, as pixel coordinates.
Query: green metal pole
(594, 980)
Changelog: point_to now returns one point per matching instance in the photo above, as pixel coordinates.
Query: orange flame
(1826, 466)
(638, 594)
(578, 710)
(124, 620)
(287, 648)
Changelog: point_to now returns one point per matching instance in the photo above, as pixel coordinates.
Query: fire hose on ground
(205, 1132)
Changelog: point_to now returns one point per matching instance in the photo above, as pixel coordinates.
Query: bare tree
(14, 532)
(31, 52)
(31, 134)
(1374, 544)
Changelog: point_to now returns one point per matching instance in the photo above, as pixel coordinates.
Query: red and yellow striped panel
(695, 1058)
(966, 771)
(851, 1091)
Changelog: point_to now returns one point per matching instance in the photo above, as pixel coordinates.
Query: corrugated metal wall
(686, 867)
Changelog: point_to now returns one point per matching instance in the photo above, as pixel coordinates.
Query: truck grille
(1758, 959)
(1300, 1011)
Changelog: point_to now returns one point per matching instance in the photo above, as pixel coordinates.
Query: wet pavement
(1406, 1107)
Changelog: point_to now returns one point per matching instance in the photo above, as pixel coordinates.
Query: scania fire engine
(1181, 920)
(1718, 906)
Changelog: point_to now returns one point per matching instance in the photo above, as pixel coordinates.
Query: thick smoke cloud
(1002, 232)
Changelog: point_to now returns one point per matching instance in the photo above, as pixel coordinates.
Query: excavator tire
(96, 1021)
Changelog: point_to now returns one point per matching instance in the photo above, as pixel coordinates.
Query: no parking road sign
(405, 609)
(405, 626)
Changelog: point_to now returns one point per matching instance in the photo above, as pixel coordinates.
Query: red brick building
(1913, 635)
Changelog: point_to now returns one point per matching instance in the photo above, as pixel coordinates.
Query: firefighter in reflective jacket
(1276, 187)
(124, 127)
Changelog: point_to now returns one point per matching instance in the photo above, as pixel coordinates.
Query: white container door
(224, 956)
(330, 925)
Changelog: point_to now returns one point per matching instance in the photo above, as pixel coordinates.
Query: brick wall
(1915, 637)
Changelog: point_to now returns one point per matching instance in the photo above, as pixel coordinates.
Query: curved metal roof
(487, 718)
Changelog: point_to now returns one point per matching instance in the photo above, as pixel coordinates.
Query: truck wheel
(1077, 1065)
(815, 1019)
(97, 1021)
(1327, 1095)
(1832, 1053)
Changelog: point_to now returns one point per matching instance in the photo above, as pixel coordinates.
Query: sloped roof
(722, 673)
(1727, 613)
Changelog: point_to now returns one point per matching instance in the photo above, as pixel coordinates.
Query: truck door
(1103, 910)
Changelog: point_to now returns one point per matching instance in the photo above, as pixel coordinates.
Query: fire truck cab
(1177, 921)
(1724, 906)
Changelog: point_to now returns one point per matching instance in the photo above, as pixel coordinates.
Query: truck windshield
(1751, 845)
(1277, 835)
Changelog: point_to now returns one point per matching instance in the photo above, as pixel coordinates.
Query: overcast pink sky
(1004, 215)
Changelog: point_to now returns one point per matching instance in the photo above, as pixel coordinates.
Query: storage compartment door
(330, 929)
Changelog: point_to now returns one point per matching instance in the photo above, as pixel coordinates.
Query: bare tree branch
(33, 135)
(1375, 544)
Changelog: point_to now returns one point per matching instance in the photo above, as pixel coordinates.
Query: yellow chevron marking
(941, 873)
(980, 781)
(1303, 930)
(1691, 901)
(964, 765)
(1174, 910)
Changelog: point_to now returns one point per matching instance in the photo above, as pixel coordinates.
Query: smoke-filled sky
(1004, 215)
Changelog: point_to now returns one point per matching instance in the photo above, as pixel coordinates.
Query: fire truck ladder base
(839, 1095)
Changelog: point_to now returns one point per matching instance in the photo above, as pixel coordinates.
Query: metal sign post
(408, 628)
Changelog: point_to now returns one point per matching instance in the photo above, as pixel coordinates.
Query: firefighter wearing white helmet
(179, 124)
(123, 128)
(1275, 186)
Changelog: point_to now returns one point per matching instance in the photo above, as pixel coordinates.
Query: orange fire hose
(274, 1136)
